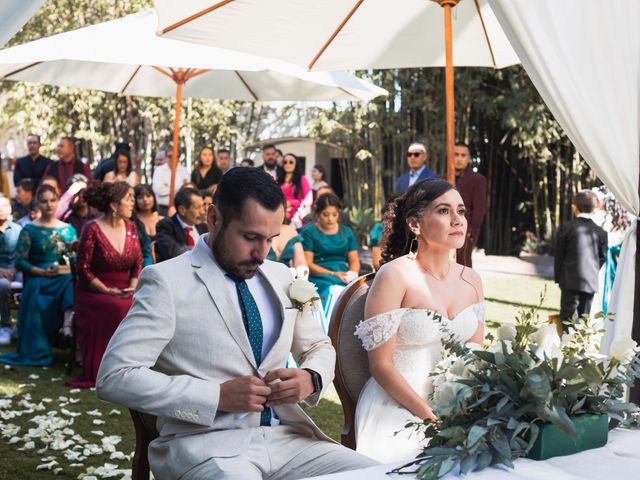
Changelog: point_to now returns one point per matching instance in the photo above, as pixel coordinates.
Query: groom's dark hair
(239, 184)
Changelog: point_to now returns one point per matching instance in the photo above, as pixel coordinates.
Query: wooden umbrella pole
(448, 40)
(180, 78)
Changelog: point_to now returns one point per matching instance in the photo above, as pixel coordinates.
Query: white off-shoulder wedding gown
(418, 350)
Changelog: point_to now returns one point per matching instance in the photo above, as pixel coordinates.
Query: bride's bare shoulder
(397, 269)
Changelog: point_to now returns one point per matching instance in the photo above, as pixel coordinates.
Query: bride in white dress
(418, 288)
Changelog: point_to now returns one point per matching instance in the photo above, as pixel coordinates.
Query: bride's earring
(412, 253)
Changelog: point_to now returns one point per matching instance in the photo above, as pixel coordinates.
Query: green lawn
(26, 400)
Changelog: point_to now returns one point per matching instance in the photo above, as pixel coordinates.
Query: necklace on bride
(440, 278)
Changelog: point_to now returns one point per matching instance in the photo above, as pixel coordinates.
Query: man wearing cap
(416, 159)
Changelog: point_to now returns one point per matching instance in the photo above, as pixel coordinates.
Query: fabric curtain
(14, 14)
(583, 56)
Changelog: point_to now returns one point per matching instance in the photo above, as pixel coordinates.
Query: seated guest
(53, 181)
(80, 213)
(331, 249)
(24, 195)
(122, 170)
(9, 232)
(34, 214)
(294, 185)
(179, 233)
(32, 166)
(319, 177)
(106, 164)
(146, 209)
(206, 173)
(207, 198)
(47, 297)
(109, 263)
(67, 165)
(287, 247)
(374, 241)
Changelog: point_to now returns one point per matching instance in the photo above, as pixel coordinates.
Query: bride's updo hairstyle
(101, 195)
(396, 235)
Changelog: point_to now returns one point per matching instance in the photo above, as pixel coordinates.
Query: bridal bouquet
(63, 250)
(491, 403)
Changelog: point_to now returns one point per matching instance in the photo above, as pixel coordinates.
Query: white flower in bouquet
(497, 346)
(623, 350)
(303, 293)
(548, 342)
(507, 332)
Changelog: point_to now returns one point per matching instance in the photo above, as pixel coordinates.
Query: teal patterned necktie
(253, 326)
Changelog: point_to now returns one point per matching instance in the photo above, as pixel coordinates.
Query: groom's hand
(294, 385)
(244, 394)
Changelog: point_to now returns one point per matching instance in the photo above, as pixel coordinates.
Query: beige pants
(280, 453)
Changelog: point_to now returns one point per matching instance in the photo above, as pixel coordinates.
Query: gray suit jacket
(181, 339)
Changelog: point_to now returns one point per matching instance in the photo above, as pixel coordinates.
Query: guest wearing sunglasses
(416, 159)
(295, 187)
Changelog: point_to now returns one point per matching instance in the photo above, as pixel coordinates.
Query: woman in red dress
(109, 263)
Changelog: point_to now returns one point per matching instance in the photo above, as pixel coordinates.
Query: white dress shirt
(161, 182)
(194, 231)
(414, 176)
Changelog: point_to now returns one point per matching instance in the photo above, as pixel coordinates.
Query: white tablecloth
(618, 460)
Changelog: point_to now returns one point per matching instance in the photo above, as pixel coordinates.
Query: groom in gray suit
(204, 348)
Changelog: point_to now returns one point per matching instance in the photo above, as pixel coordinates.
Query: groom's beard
(243, 269)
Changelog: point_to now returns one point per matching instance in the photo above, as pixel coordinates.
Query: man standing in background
(473, 190)
(32, 166)
(416, 159)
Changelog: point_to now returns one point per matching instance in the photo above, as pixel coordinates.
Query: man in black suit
(175, 235)
(32, 166)
(416, 158)
(581, 249)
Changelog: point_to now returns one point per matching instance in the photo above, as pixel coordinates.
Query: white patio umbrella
(14, 14)
(353, 34)
(125, 56)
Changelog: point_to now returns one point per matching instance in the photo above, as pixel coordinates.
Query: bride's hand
(428, 414)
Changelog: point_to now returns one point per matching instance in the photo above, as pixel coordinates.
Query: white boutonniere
(303, 293)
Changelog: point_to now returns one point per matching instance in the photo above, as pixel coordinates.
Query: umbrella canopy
(342, 35)
(336, 34)
(124, 55)
(14, 14)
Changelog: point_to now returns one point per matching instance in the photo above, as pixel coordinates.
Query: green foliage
(362, 221)
(491, 403)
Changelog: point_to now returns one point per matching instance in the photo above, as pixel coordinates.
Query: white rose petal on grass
(99, 433)
(28, 446)
(623, 350)
(56, 379)
(95, 413)
(74, 390)
(47, 466)
(68, 413)
(114, 412)
(97, 421)
(58, 471)
(34, 376)
(74, 400)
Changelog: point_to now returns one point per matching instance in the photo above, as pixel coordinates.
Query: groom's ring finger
(290, 392)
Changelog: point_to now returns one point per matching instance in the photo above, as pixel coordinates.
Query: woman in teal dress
(47, 297)
(331, 249)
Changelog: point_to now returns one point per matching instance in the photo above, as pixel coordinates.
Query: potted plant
(529, 393)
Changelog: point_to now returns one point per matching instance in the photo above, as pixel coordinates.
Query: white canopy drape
(583, 56)
(14, 14)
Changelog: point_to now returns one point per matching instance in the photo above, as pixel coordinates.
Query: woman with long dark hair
(146, 209)
(206, 175)
(123, 169)
(418, 289)
(47, 297)
(109, 263)
(293, 183)
(319, 177)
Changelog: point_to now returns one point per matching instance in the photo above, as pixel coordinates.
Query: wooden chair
(145, 426)
(352, 366)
